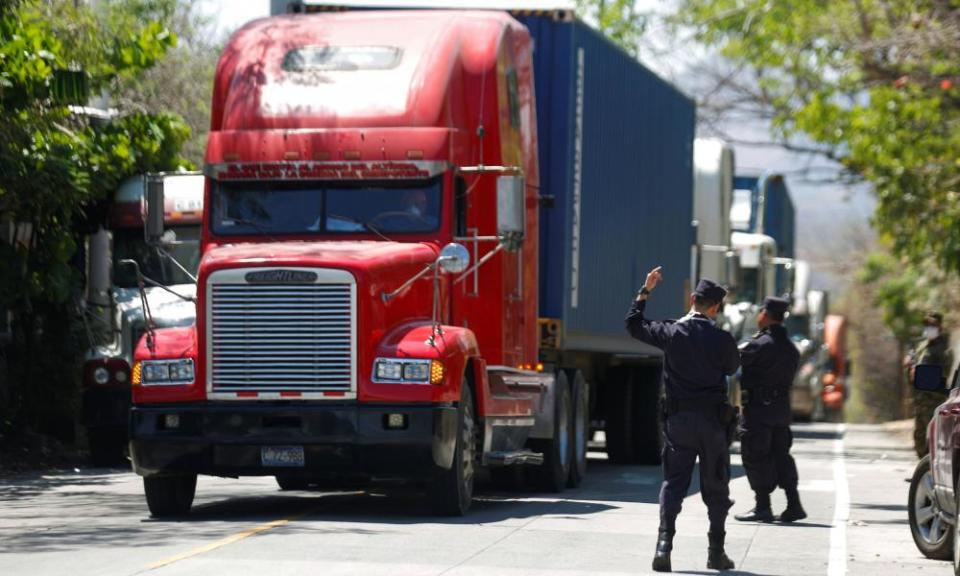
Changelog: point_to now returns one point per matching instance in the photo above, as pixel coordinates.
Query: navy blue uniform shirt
(699, 355)
(770, 361)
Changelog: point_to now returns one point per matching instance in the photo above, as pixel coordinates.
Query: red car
(934, 499)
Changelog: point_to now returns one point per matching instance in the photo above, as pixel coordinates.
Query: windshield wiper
(374, 229)
(256, 226)
(365, 224)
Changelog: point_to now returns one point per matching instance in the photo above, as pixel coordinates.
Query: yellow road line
(229, 540)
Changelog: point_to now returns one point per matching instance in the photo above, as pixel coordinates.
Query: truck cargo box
(616, 157)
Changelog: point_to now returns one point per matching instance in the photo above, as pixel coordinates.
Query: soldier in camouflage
(933, 349)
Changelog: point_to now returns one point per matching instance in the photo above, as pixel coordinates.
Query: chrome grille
(275, 338)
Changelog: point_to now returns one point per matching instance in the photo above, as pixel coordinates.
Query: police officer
(769, 361)
(698, 357)
(933, 349)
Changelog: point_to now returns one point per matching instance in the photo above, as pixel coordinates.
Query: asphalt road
(853, 482)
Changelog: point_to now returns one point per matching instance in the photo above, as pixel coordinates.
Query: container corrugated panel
(778, 214)
(620, 138)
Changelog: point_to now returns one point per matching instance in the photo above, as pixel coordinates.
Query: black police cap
(710, 290)
(776, 305)
(933, 318)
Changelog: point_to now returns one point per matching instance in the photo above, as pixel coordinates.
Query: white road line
(841, 509)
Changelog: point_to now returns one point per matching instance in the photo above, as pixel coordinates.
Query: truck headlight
(166, 372)
(408, 371)
(416, 372)
(388, 370)
(101, 375)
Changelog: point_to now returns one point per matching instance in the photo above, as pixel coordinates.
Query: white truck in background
(113, 300)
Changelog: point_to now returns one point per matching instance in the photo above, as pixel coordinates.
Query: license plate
(282, 456)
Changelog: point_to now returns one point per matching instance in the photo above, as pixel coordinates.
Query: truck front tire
(452, 492)
(169, 496)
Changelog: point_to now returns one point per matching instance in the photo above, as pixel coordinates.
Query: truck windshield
(128, 243)
(302, 208)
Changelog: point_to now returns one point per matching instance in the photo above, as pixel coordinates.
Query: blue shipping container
(778, 219)
(616, 154)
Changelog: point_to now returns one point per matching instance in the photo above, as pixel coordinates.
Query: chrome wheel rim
(930, 524)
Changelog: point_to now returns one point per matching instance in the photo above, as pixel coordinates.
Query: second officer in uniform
(698, 356)
(769, 363)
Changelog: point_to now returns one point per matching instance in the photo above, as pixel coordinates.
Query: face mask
(930, 332)
(415, 210)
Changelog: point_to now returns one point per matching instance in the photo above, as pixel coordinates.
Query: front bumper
(348, 440)
(106, 408)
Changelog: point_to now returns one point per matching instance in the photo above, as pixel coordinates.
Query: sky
(231, 14)
(824, 210)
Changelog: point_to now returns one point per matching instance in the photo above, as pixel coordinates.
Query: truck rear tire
(553, 474)
(647, 420)
(452, 491)
(170, 496)
(580, 429)
(632, 415)
(618, 414)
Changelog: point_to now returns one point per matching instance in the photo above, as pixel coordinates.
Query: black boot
(794, 510)
(661, 560)
(760, 513)
(716, 556)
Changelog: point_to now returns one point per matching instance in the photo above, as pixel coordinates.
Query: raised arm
(649, 331)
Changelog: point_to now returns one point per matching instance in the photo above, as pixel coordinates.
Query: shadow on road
(101, 508)
(725, 573)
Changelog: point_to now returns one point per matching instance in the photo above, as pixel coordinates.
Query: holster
(730, 419)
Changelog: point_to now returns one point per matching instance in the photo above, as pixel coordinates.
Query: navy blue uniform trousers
(766, 456)
(689, 436)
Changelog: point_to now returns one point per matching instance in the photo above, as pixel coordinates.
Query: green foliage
(875, 83)
(905, 291)
(617, 19)
(183, 82)
(59, 165)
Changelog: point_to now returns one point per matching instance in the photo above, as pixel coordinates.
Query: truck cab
(345, 333)
(114, 297)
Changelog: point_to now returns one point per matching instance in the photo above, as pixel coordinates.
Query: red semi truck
(370, 280)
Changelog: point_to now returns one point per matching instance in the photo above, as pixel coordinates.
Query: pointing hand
(653, 278)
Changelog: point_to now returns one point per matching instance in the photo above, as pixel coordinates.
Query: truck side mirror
(928, 378)
(511, 211)
(454, 258)
(733, 270)
(154, 209)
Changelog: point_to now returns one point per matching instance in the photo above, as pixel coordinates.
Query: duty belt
(763, 394)
(697, 405)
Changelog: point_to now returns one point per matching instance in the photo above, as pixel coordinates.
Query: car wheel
(931, 533)
(956, 533)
